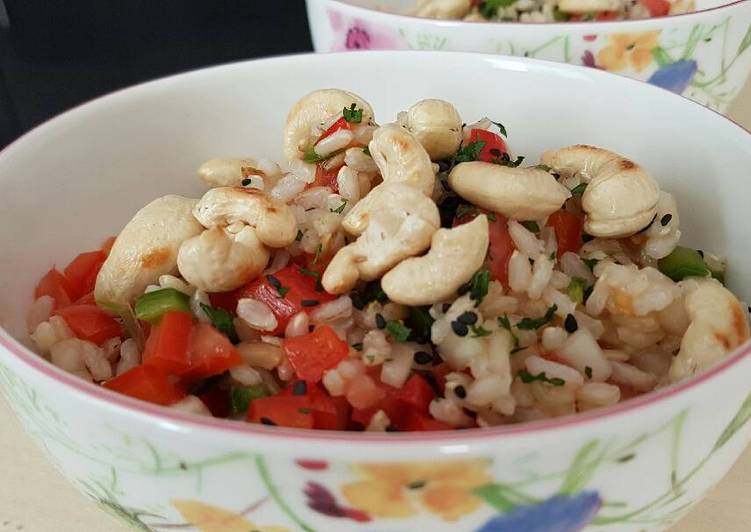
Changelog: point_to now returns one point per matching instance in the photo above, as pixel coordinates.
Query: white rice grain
(581, 351)
(597, 395)
(524, 239)
(376, 348)
(260, 354)
(245, 375)
(358, 160)
(130, 356)
(198, 299)
(334, 142)
(170, 281)
(573, 266)
(39, 312)
(398, 366)
(629, 375)
(297, 325)
(191, 405)
(349, 185)
(287, 188)
(278, 262)
(553, 338)
(379, 422)
(519, 272)
(256, 314)
(339, 308)
(536, 365)
(541, 274)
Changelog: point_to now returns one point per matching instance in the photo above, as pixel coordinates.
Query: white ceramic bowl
(703, 55)
(638, 466)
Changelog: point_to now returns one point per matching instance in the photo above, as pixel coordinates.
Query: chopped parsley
(276, 283)
(530, 324)
(477, 286)
(478, 331)
(366, 151)
(491, 217)
(310, 156)
(588, 372)
(526, 377)
(543, 167)
(505, 160)
(470, 152)
(352, 114)
(531, 226)
(299, 235)
(579, 189)
(501, 128)
(398, 330)
(464, 209)
(489, 8)
(241, 397)
(591, 263)
(504, 322)
(340, 208)
(420, 321)
(222, 322)
(319, 250)
(575, 289)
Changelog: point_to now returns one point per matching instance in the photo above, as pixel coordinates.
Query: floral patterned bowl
(703, 55)
(638, 466)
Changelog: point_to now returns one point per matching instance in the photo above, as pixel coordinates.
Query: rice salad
(411, 276)
(549, 10)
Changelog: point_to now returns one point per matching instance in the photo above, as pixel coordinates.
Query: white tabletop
(34, 497)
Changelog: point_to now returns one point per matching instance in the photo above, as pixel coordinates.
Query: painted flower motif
(557, 514)
(208, 518)
(588, 60)
(628, 50)
(357, 34)
(676, 76)
(399, 490)
(323, 501)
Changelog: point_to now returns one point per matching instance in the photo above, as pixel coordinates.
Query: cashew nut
(581, 7)
(240, 224)
(518, 193)
(436, 124)
(620, 198)
(718, 325)
(307, 116)
(454, 256)
(227, 172)
(394, 222)
(445, 9)
(401, 158)
(145, 249)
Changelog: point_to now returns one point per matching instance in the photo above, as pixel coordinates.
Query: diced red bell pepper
(86, 299)
(329, 413)
(327, 178)
(225, 300)
(416, 393)
(417, 422)
(656, 8)
(148, 384)
(210, 352)
(83, 270)
(89, 322)
(336, 126)
(291, 411)
(501, 245)
(55, 285)
(168, 343)
(494, 146)
(107, 245)
(312, 354)
(568, 231)
(301, 287)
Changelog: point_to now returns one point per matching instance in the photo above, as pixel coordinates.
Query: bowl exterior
(157, 474)
(703, 56)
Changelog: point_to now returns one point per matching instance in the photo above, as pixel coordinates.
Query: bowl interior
(406, 7)
(77, 180)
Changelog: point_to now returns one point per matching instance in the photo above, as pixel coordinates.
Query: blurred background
(55, 54)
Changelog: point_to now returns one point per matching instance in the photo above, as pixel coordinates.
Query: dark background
(55, 54)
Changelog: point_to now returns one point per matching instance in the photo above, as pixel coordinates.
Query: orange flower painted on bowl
(402, 490)
(628, 50)
(208, 518)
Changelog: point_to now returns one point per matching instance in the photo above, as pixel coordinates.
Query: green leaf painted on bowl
(585, 464)
(746, 42)
(503, 497)
(738, 421)
(661, 56)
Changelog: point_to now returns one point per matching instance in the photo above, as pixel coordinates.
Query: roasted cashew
(307, 116)
(401, 158)
(518, 193)
(436, 124)
(228, 172)
(718, 325)
(454, 256)
(240, 224)
(620, 198)
(445, 9)
(394, 222)
(581, 7)
(145, 249)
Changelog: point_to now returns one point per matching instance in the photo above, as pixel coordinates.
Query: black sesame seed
(310, 302)
(459, 328)
(267, 421)
(273, 281)
(423, 357)
(665, 220)
(445, 307)
(300, 388)
(587, 238)
(245, 182)
(700, 252)
(380, 321)
(467, 318)
(570, 323)
(416, 485)
(460, 392)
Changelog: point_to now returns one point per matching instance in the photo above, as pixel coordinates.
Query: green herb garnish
(504, 322)
(358, 346)
(591, 263)
(420, 321)
(526, 377)
(319, 250)
(478, 331)
(579, 189)
(470, 152)
(352, 114)
(366, 151)
(491, 217)
(464, 209)
(477, 286)
(501, 128)
(310, 156)
(151, 306)
(530, 324)
(398, 330)
(340, 208)
(489, 8)
(242, 396)
(575, 289)
(222, 322)
(531, 226)
(588, 372)
(299, 235)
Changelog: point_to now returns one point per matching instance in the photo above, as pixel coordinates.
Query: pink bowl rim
(576, 25)
(155, 413)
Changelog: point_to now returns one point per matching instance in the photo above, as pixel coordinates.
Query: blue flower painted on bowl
(674, 77)
(557, 514)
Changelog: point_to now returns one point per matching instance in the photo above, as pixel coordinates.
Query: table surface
(34, 497)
